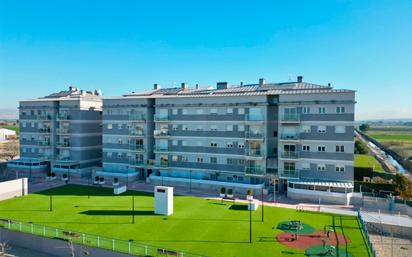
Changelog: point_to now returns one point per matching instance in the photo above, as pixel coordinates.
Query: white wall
(13, 188)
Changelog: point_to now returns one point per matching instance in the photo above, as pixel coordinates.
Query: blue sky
(122, 46)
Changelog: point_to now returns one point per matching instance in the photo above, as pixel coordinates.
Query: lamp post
(88, 187)
(262, 204)
(133, 209)
(250, 221)
(190, 181)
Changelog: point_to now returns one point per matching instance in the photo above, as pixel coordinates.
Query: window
(321, 148)
(229, 110)
(119, 141)
(32, 124)
(109, 126)
(230, 161)
(213, 128)
(199, 111)
(241, 162)
(175, 127)
(229, 144)
(199, 128)
(24, 150)
(175, 158)
(306, 109)
(174, 111)
(185, 159)
(321, 167)
(213, 160)
(321, 129)
(340, 129)
(185, 127)
(199, 159)
(340, 109)
(119, 155)
(184, 112)
(306, 148)
(241, 111)
(229, 127)
(213, 111)
(241, 145)
(340, 148)
(340, 168)
(306, 129)
(175, 142)
(241, 127)
(119, 126)
(322, 109)
(23, 124)
(213, 144)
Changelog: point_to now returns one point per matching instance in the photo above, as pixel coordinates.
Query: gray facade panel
(327, 156)
(327, 175)
(329, 135)
(209, 166)
(328, 117)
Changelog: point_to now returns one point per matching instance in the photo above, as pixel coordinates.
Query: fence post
(98, 241)
(129, 248)
(9, 223)
(44, 230)
(145, 250)
(83, 239)
(20, 226)
(32, 230)
(113, 244)
(57, 232)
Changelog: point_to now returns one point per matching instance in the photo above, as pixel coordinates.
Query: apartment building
(60, 133)
(293, 136)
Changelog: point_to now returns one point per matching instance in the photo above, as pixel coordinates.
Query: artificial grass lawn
(368, 161)
(198, 225)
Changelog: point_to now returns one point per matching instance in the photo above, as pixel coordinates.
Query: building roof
(285, 88)
(323, 183)
(73, 93)
(8, 131)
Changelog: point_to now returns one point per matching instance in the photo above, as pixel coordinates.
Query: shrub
(360, 147)
(249, 192)
(49, 174)
(223, 190)
(53, 174)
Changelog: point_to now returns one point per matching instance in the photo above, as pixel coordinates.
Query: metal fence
(117, 245)
(365, 230)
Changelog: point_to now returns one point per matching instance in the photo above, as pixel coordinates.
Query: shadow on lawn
(119, 212)
(235, 207)
(199, 241)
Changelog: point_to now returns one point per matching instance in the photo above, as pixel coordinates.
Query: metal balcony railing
(137, 117)
(161, 133)
(253, 118)
(289, 136)
(44, 117)
(44, 130)
(257, 170)
(63, 144)
(137, 148)
(62, 131)
(290, 118)
(43, 143)
(161, 148)
(290, 155)
(158, 117)
(136, 162)
(253, 152)
(162, 164)
(136, 133)
(62, 116)
(290, 173)
(253, 135)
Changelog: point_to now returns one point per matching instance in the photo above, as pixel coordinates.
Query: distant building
(7, 134)
(60, 133)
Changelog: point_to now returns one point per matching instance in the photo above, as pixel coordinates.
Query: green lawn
(198, 225)
(366, 161)
(391, 136)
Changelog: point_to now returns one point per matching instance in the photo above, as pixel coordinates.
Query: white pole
(32, 230)
(83, 239)
(113, 244)
(44, 230)
(145, 250)
(20, 225)
(129, 247)
(57, 232)
(98, 241)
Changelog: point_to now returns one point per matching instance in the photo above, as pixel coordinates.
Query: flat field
(198, 225)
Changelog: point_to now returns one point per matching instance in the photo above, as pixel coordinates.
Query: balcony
(253, 118)
(136, 133)
(161, 133)
(137, 117)
(289, 136)
(43, 143)
(254, 135)
(290, 155)
(136, 162)
(162, 164)
(63, 116)
(44, 117)
(290, 118)
(62, 131)
(253, 152)
(254, 170)
(161, 118)
(136, 148)
(63, 144)
(161, 149)
(63, 158)
(44, 130)
(290, 173)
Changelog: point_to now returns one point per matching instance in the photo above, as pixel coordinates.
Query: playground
(198, 225)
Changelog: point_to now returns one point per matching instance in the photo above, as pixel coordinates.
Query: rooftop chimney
(221, 85)
(184, 86)
(261, 82)
(300, 79)
(197, 86)
(156, 86)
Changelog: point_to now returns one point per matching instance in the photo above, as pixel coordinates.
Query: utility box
(163, 200)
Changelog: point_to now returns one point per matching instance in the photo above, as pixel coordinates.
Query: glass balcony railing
(290, 173)
(43, 143)
(253, 118)
(62, 131)
(63, 116)
(63, 158)
(137, 148)
(159, 117)
(289, 136)
(136, 162)
(256, 170)
(253, 152)
(161, 133)
(44, 130)
(137, 117)
(290, 117)
(160, 148)
(63, 144)
(162, 164)
(136, 133)
(290, 154)
(44, 117)
(254, 135)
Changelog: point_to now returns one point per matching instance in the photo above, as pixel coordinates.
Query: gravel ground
(391, 246)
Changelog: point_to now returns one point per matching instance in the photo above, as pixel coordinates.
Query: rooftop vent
(184, 86)
(261, 82)
(221, 85)
(156, 86)
(300, 79)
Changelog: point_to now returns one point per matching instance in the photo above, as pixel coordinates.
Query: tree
(403, 186)
(364, 127)
(360, 147)
(10, 150)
